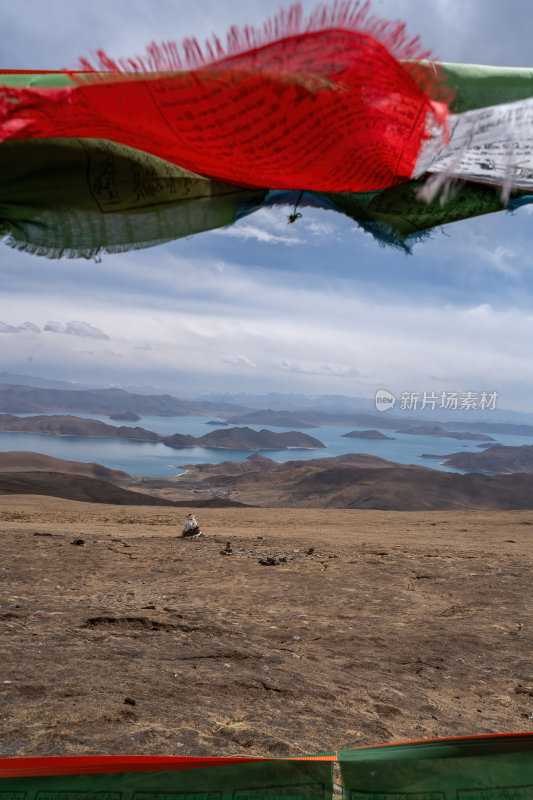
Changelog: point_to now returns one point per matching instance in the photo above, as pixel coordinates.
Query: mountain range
(18, 399)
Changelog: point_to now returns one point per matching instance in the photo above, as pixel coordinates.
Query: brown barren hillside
(226, 438)
(498, 458)
(354, 481)
(438, 430)
(66, 425)
(23, 460)
(368, 627)
(350, 481)
(34, 473)
(73, 487)
(245, 439)
(369, 434)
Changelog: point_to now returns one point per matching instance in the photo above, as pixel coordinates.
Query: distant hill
(498, 458)
(24, 461)
(245, 439)
(295, 402)
(73, 426)
(371, 434)
(257, 464)
(306, 418)
(125, 416)
(438, 430)
(280, 419)
(32, 380)
(74, 487)
(353, 482)
(34, 473)
(356, 481)
(18, 399)
(227, 438)
(496, 427)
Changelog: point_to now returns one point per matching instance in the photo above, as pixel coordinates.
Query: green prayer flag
(470, 768)
(77, 197)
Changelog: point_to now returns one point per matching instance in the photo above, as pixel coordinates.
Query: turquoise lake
(157, 460)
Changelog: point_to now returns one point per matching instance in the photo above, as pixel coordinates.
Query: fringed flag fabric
(324, 103)
(340, 110)
(77, 197)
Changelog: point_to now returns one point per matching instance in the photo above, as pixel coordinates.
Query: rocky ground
(313, 629)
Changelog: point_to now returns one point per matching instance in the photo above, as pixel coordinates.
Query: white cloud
(237, 361)
(26, 326)
(317, 228)
(76, 329)
(29, 326)
(256, 234)
(312, 368)
(499, 259)
(270, 226)
(103, 354)
(481, 312)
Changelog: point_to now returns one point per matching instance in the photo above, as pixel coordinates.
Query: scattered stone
(524, 690)
(129, 701)
(78, 542)
(310, 551)
(269, 561)
(227, 550)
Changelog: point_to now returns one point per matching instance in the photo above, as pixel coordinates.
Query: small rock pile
(191, 529)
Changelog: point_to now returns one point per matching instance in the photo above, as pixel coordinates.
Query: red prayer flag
(324, 104)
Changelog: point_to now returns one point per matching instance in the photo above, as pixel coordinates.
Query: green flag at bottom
(472, 768)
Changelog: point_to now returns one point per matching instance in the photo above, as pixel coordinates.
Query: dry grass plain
(397, 625)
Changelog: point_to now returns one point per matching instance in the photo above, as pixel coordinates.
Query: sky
(316, 307)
